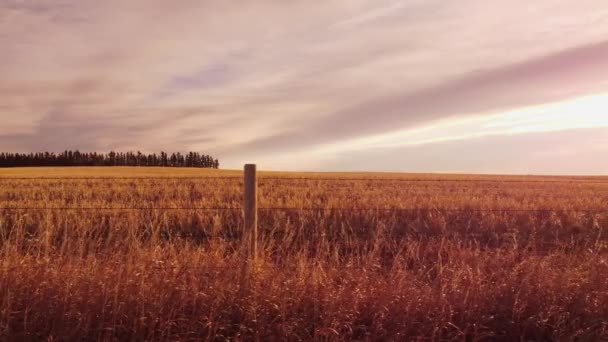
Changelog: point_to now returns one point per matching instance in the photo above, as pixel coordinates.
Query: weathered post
(251, 208)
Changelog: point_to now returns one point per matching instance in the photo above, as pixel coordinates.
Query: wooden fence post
(251, 208)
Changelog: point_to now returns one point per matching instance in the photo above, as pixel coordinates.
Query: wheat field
(159, 254)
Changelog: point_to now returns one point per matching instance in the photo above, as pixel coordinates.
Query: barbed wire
(120, 209)
(261, 179)
(303, 208)
(156, 267)
(337, 185)
(416, 180)
(186, 193)
(441, 209)
(597, 210)
(123, 178)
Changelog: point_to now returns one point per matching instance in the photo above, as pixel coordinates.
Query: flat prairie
(160, 254)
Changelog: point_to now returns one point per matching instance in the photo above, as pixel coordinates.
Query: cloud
(266, 77)
(514, 86)
(581, 113)
(371, 15)
(570, 152)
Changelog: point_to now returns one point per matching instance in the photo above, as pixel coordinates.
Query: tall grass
(429, 272)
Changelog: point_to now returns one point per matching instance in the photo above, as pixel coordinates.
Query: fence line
(262, 178)
(588, 210)
(420, 180)
(186, 189)
(440, 209)
(250, 210)
(118, 209)
(200, 267)
(121, 178)
(338, 185)
(253, 183)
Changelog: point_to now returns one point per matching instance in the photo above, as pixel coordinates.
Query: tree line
(77, 158)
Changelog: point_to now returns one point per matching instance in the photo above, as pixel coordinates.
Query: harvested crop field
(160, 254)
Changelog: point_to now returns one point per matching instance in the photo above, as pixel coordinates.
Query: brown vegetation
(442, 257)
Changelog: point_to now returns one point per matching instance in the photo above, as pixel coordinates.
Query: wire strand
(315, 209)
(117, 209)
(121, 178)
(412, 180)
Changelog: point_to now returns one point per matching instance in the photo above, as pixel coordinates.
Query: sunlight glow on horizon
(583, 113)
(579, 113)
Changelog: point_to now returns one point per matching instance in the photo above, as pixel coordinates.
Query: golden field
(382, 256)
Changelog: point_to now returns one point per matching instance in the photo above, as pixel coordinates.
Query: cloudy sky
(417, 85)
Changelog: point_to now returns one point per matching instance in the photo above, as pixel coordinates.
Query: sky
(467, 86)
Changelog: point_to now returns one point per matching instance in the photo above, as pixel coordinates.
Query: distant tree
(164, 160)
(77, 158)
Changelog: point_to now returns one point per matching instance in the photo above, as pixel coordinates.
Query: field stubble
(420, 257)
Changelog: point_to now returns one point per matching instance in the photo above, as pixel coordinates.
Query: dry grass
(430, 274)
